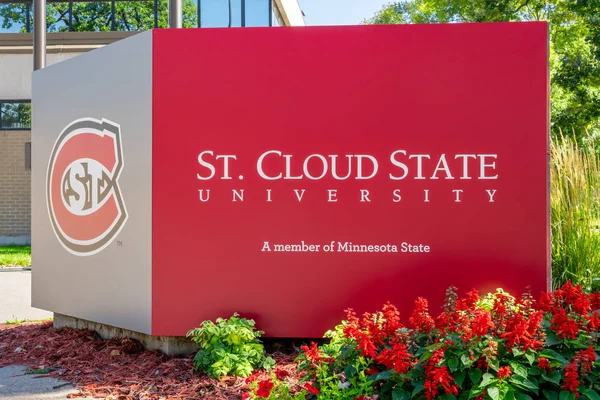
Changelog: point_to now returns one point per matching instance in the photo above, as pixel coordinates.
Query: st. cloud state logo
(84, 200)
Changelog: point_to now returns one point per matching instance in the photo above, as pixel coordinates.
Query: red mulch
(117, 368)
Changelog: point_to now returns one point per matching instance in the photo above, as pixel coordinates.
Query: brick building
(68, 37)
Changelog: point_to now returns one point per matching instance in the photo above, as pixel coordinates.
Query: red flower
(482, 323)
(281, 374)
(264, 388)
(420, 318)
(311, 388)
(564, 326)
(391, 319)
(245, 396)
(436, 377)
(372, 371)
(252, 378)
(472, 298)
(397, 357)
(544, 364)
(594, 321)
(314, 354)
(585, 359)
(571, 379)
(504, 372)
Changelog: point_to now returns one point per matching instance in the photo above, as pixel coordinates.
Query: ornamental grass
(575, 180)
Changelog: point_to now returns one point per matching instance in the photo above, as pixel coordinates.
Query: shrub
(229, 347)
(495, 347)
(575, 179)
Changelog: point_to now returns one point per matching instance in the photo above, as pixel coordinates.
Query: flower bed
(493, 347)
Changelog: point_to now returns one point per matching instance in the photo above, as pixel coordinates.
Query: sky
(340, 12)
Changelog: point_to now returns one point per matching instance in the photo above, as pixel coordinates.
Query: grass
(575, 197)
(38, 371)
(17, 321)
(15, 256)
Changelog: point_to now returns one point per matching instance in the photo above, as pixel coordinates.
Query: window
(15, 115)
(139, 15)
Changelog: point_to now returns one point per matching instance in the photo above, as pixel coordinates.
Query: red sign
(299, 172)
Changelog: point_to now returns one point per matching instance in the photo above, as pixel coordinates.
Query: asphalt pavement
(16, 385)
(15, 296)
(15, 303)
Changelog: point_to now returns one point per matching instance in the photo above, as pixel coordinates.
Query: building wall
(15, 187)
(19, 68)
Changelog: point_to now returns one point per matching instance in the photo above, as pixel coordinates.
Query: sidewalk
(15, 296)
(15, 385)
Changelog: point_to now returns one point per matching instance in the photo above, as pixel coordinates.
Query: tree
(574, 47)
(98, 15)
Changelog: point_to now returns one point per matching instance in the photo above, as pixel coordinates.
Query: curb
(14, 269)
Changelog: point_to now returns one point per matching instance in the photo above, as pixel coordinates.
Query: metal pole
(156, 13)
(270, 12)
(70, 16)
(175, 13)
(199, 13)
(113, 11)
(28, 17)
(39, 34)
(243, 13)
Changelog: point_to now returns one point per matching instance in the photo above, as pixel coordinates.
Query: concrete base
(172, 345)
(15, 240)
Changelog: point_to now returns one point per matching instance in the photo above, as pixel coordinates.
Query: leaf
(418, 389)
(460, 377)
(523, 383)
(400, 394)
(350, 371)
(517, 352)
(565, 395)
(522, 396)
(552, 339)
(447, 396)
(487, 379)
(494, 393)
(518, 369)
(453, 364)
(591, 394)
(507, 393)
(554, 377)
(550, 394)
(381, 376)
(475, 375)
(530, 356)
(549, 353)
(467, 362)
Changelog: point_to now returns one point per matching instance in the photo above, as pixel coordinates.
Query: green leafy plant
(229, 347)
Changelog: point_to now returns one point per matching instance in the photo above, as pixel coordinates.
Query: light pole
(175, 14)
(39, 34)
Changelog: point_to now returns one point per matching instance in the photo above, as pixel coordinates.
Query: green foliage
(97, 16)
(229, 347)
(574, 47)
(575, 179)
(15, 256)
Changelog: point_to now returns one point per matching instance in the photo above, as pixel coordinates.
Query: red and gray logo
(84, 200)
